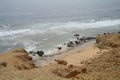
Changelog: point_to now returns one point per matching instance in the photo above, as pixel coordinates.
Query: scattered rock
(24, 67)
(40, 53)
(67, 72)
(83, 62)
(29, 58)
(84, 70)
(2, 63)
(62, 62)
(78, 51)
(70, 65)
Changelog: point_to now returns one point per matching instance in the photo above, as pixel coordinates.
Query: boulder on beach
(39, 53)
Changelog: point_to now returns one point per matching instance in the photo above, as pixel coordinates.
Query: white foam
(3, 27)
(45, 39)
(29, 44)
(51, 52)
(56, 51)
(6, 33)
(91, 24)
(61, 28)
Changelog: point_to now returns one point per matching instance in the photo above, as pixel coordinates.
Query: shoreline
(75, 57)
(50, 59)
(91, 61)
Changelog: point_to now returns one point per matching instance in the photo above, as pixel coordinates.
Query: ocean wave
(7, 33)
(91, 24)
(3, 27)
(48, 34)
(29, 44)
(75, 25)
(61, 28)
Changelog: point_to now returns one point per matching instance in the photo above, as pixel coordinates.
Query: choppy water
(41, 28)
(48, 35)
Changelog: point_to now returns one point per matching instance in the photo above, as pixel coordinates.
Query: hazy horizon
(45, 9)
(57, 4)
(45, 24)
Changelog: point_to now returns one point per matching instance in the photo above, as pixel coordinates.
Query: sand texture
(98, 60)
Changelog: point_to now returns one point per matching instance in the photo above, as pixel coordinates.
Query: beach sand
(79, 54)
(87, 62)
(72, 57)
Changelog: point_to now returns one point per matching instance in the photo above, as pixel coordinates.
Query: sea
(41, 29)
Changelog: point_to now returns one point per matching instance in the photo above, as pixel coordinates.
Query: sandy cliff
(100, 61)
(15, 59)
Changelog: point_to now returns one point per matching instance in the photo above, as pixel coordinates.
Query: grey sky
(57, 4)
(13, 10)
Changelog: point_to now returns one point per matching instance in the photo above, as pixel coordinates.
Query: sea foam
(61, 27)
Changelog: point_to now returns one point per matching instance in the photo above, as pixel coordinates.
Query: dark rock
(70, 44)
(59, 48)
(84, 70)
(31, 52)
(29, 58)
(71, 65)
(62, 62)
(77, 42)
(40, 53)
(76, 35)
(67, 72)
(104, 33)
(24, 67)
(90, 38)
(4, 64)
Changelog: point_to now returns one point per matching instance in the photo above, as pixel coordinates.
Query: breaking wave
(60, 27)
(41, 35)
(6, 33)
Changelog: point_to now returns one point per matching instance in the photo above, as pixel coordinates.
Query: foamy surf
(7, 33)
(61, 27)
(89, 25)
(46, 36)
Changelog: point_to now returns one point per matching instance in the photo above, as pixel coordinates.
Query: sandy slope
(74, 57)
(83, 63)
(79, 54)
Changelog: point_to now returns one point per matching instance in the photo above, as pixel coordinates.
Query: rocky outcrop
(16, 59)
(106, 41)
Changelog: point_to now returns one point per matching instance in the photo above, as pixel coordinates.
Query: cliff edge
(15, 59)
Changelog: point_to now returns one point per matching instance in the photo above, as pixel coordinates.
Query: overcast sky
(57, 4)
